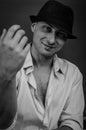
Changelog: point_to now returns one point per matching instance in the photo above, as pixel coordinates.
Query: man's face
(47, 40)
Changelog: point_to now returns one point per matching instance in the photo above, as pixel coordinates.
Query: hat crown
(57, 14)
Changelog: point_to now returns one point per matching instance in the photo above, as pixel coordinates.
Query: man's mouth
(48, 46)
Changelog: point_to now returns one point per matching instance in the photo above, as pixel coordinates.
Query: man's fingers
(26, 50)
(12, 30)
(23, 42)
(3, 33)
(18, 35)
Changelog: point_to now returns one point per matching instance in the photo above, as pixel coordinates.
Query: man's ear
(33, 26)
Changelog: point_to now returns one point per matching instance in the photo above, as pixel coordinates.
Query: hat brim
(36, 19)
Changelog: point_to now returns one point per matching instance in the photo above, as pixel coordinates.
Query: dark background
(18, 11)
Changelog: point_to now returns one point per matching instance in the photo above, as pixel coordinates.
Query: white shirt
(64, 102)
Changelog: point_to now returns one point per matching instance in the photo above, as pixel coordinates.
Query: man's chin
(48, 54)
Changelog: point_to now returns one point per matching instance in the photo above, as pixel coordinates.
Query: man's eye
(47, 29)
(61, 35)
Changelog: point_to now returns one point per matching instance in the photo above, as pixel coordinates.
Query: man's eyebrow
(48, 24)
(52, 26)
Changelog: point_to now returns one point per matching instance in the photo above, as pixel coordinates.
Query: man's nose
(52, 38)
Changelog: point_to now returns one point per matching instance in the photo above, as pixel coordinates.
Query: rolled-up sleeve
(72, 114)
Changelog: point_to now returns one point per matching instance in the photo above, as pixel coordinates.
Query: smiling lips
(49, 46)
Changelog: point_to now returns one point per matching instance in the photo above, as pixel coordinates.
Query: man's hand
(13, 50)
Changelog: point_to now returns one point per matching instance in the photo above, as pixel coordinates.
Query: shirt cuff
(72, 124)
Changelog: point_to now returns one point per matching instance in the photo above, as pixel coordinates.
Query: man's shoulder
(70, 67)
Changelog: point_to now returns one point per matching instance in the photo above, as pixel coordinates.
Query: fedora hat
(57, 14)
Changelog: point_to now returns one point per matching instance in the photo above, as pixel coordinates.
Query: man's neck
(41, 61)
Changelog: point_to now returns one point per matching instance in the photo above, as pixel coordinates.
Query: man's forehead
(49, 24)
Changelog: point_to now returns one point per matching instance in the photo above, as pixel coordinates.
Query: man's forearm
(8, 102)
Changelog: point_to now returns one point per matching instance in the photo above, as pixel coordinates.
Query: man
(39, 90)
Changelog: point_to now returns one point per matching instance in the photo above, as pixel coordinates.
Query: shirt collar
(59, 64)
(28, 64)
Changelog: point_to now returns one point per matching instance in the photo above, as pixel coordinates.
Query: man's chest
(42, 80)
